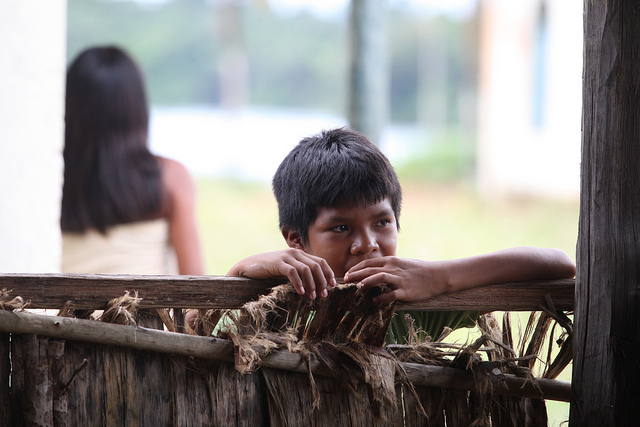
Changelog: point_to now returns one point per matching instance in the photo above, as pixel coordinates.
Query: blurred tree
(186, 49)
(233, 62)
(173, 42)
(368, 68)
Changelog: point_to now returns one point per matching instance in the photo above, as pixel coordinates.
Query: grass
(238, 219)
(438, 221)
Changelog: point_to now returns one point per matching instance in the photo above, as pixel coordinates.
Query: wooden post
(5, 372)
(606, 369)
(368, 68)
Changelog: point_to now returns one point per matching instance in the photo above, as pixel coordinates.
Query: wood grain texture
(606, 370)
(92, 292)
(5, 372)
(218, 349)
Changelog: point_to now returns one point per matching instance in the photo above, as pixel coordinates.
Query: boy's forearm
(509, 265)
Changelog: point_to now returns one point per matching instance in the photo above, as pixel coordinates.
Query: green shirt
(429, 323)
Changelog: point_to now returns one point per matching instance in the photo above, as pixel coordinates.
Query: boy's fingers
(304, 274)
(323, 275)
(368, 268)
(387, 297)
(369, 263)
(313, 275)
(371, 279)
(294, 277)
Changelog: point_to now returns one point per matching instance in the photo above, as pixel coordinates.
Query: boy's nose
(364, 244)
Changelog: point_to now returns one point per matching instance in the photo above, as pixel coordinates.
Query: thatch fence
(281, 360)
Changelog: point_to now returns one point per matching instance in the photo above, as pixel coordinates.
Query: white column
(32, 74)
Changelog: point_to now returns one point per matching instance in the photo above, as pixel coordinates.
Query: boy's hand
(410, 279)
(415, 280)
(308, 274)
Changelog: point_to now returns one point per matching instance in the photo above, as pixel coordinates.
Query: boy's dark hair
(110, 175)
(335, 166)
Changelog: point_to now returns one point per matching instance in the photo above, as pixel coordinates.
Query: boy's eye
(383, 222)
(340, 228)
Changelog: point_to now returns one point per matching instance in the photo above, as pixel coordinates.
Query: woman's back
(141, 247)
(124, 210)
(110, 175)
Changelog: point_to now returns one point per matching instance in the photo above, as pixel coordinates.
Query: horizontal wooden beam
(213, 348)
(93, 291)
(520, 296)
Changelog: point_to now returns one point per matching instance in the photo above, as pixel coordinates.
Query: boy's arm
(417, 280)
(308, 274)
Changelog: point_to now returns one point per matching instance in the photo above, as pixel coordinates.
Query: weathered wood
(92, 292)
(239, 398)
(121, 386)
(5, 371)
(606, 368)
(432, 400)
(31, 384)
(56, 367)
(435, 376)
(337, 406)
(218, 349)
(522, 296)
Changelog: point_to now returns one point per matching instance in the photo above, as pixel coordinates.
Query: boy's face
(345, 234)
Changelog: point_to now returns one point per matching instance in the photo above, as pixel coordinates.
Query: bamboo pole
(219, 349)
(93, 292)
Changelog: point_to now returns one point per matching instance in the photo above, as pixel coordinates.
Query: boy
(339, 204)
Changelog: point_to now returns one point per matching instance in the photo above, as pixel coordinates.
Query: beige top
(136, 248)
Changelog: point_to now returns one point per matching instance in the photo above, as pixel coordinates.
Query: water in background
(250, 144)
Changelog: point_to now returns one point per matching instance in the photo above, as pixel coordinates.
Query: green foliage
(299, 61)
(294, 61)
(447, 158)
(172, 42)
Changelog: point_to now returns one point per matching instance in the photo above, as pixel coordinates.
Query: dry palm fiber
(508, 410)
(205, 322)
(441, 406)
(10, 304)
(344, 331)
(122, 310)
(483, 407)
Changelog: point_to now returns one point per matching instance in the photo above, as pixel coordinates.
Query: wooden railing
(92, 291)
(52, 291)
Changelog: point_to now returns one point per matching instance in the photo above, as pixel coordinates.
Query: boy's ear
(293, 238)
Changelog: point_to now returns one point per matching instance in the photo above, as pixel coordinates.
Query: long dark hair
(110, 175)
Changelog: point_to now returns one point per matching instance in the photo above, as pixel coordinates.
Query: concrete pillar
(32, 73)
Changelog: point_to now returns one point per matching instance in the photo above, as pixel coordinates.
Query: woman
(124, 210)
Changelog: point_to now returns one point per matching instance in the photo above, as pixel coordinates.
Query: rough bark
(93, 292)
(606, 370)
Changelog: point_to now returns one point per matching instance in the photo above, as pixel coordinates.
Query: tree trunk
(368, 96)
(606, 370)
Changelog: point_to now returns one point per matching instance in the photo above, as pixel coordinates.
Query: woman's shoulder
(174, 174)
(171, 166)
(177, 182)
